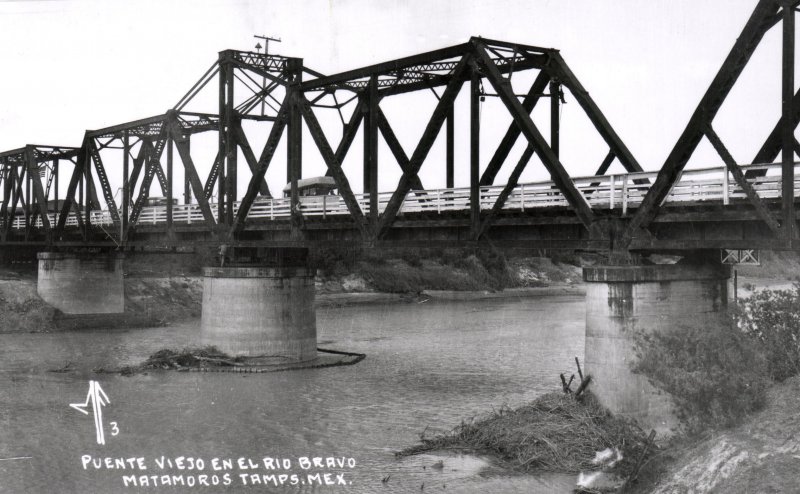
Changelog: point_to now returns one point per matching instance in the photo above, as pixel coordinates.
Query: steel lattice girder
(430, 69)
(41, 153)
(190, 123)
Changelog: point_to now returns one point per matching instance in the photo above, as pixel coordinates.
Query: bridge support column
(623, 300)
(260, 311)
(82, 283)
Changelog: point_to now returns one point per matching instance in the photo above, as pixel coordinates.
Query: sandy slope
(761, 455)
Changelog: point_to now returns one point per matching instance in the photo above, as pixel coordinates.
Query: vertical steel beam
(81, 199)
(555, 120)
(8, 191)
(475, 153)
(231, 149)
(294, 132)
(55, 192)
(87, 184)
(292, 150)
(223, 150)
(787, 132)
(371, 149)
(450, 150)
(187, 190)
(169, 184)
(28, 201)
(126, 193)
(187, 186)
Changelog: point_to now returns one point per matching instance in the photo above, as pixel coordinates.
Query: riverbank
(759, 455)
(160, 290)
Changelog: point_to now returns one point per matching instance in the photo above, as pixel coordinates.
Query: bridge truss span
(123, 183)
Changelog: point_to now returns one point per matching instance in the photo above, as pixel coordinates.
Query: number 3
(114, 429)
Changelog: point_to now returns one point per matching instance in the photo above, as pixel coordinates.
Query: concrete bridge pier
(260, 311)
(82, 283)
(621, 300)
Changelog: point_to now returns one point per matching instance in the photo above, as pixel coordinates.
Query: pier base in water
(82, 283)
(623, 300)
(260, 311)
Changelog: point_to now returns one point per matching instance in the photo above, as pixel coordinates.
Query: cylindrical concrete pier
(260, 311)
(82, 283)
(621, 300)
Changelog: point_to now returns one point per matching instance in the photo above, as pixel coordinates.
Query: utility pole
(266, 39)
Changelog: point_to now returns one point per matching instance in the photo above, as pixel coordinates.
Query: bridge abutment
(260, 311)
(622, 301)
(78, 283)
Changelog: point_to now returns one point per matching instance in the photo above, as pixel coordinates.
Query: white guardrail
(600, 192)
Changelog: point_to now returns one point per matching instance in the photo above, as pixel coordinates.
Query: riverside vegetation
(720, 377)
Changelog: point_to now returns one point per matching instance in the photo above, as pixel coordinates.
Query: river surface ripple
(428, 366)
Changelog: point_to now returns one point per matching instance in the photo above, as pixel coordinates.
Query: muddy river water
(428, 366)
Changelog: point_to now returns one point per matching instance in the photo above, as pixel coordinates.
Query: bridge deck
(710, 185)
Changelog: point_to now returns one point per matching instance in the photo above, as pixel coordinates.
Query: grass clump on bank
(715, 375)
(556, 432)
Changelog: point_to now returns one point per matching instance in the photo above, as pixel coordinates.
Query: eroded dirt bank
(760, 455)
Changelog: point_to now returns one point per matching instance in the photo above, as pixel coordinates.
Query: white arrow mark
(98, 398)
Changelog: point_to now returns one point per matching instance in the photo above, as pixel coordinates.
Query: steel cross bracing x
(766, 15)
(286, 95)
(277, 85)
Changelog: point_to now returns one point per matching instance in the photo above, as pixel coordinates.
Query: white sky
(71, 65)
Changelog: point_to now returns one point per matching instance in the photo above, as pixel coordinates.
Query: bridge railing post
(612, 191)
(624, 195)
(522, 197)
(725, 188)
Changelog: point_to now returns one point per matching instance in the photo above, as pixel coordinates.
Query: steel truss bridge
(735, 206)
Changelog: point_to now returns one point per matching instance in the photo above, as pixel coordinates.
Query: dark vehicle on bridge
(160, 201)
(314, 186)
